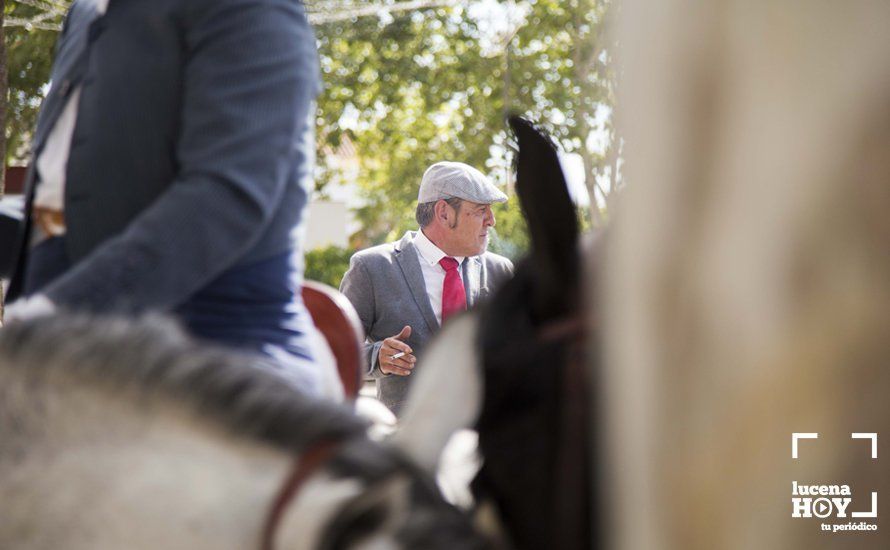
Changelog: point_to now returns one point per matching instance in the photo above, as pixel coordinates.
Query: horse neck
(103, 475)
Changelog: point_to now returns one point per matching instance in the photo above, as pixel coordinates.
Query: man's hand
(395, 355)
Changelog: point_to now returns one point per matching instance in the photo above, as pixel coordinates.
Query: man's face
(469, 234)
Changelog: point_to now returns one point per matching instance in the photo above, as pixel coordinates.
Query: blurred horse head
(121, 434)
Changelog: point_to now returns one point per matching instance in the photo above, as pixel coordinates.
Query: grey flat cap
(445, 180)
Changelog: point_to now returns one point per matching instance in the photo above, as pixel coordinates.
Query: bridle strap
(565, 328)
(305, 467)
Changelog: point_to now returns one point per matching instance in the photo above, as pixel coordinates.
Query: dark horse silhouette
(518, 369)
(534, 432)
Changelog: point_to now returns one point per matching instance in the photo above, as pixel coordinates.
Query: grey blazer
(385, 285)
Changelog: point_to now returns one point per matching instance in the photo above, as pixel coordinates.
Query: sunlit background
(406, 84)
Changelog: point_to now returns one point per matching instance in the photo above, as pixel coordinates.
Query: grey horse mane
(153, 360)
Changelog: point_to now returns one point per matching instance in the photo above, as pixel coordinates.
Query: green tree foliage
(413, 88)
(31, 32)
(407, 90)
(327, 265)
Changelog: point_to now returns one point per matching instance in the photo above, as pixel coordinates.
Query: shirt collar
(429, 251)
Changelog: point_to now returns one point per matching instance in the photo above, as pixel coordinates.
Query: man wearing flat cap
(404, 290)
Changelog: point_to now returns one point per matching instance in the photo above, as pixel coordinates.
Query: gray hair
(427, 210)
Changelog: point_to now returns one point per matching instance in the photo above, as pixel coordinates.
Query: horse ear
(445, 397)
(551, 216)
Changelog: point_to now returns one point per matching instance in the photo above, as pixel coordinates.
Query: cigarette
(396, 356)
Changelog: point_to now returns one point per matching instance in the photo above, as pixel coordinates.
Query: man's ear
(443, 212)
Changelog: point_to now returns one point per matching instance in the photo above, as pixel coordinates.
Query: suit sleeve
(359, 290)
(250, 78)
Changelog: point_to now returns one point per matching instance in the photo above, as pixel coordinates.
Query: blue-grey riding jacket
(192, 150)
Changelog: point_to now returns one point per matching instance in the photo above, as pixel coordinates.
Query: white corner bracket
(874, 441)
(874, 508)
(799, 435)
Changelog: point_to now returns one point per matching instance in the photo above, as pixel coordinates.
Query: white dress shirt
(433, 273)
(53, 160)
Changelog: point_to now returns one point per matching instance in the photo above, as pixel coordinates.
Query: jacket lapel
(406, 256)
(472, 270)
(69, 66)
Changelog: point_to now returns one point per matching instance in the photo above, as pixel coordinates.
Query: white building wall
(328, 224)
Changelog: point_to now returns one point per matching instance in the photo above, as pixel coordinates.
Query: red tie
(454, 297)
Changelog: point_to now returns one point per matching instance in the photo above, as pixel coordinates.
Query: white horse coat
(116, 434)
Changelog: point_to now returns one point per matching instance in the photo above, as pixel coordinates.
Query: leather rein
(308, 464)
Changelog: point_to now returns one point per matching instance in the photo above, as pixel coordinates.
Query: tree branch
(321, 17)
